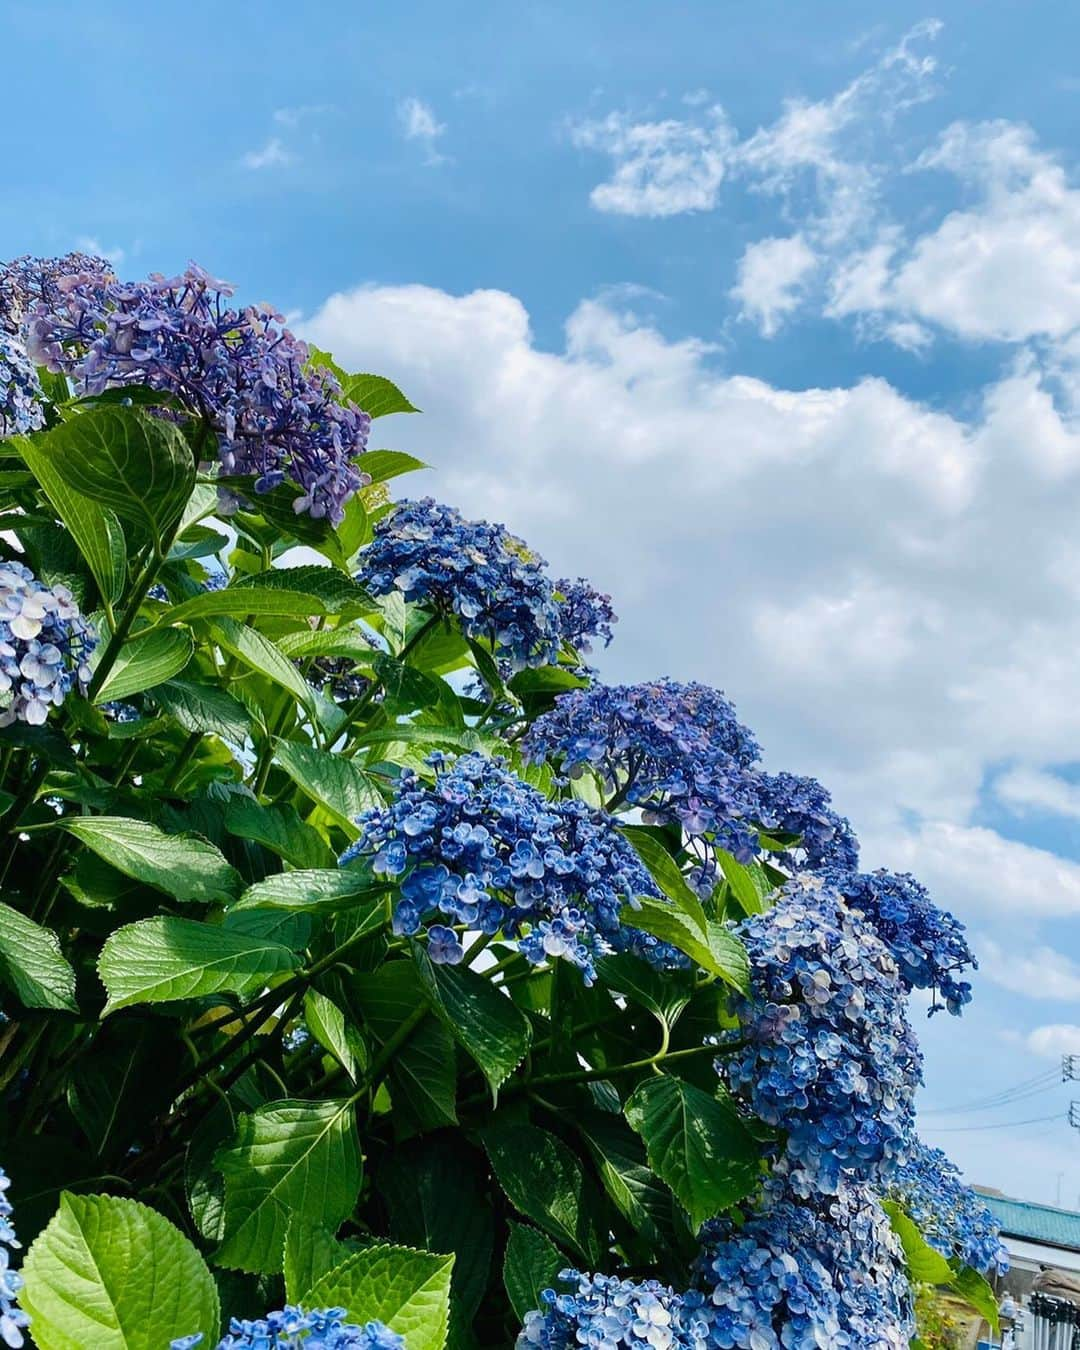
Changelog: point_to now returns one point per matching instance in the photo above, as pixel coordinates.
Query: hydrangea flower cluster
(830, 1057)
(25, 281)
(825, 1274)
(951, 1216)
(584, 614)
(927, 943)
(790, 804)
(606, 1313)
(676, 751)
(12, 1318)
(272, 415)
(484, 849)
(45, 646)
(498, 589)
(21, 409)
(294, 1329)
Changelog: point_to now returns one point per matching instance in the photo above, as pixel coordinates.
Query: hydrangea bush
(372, 973)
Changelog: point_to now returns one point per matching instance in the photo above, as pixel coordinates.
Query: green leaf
(95, 530)
(32, 963)
(423, 1074)
(333, 781)
(665, 994)
(241, 600)
(336, 593)
(164, 960)
(289, 1158)
(204, 1183)
(135, 464)
(330, 1027)
(204, 708)
(291, 930)
(311, 1252)
(259, 654)
(407, 1290)
(665, 872)
(531, 1265)
(483, 1021)
(696, 1144)
(377, 396)
(637, 1193)
(383, 465)
(182, 865)
(145, 662)
(974, 1289)
(748, 882)
(115, 1275)
(280, 829)
(318, 889)
(713, 948)
(546, 1182)
(925, 1265)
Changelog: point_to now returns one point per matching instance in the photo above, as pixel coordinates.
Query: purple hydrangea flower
(829, 1056)
(294, 1329)
(21, 407)
(271, 415)
(25, 281)
(483, 849)
(585, 614)
(676, 751)
(951, 1217)
(496, 587)
(13, 1320)
(927, 943)
(45, 646)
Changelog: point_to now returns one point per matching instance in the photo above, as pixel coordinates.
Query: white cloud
(1040, 973)
(273, 155)
(89, 244)
(1027, 789)
(292, 117)
(661, 168)
(419, 123)
(771, 276)
(1055, 1040)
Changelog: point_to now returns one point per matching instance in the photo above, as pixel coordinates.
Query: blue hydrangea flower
(13, 1320)
(45, 646)
(789, 804)
(585, 614)
(606, 1313)
(239, 369)
(482, 849)
(498, 589)
(676, 751)
(927, 943)
(820, 1271)
(829, 1056)
(25, 281)
(294, 1329)
(951, 1216)
(21, 408)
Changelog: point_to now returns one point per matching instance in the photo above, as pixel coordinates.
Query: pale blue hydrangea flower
(45, 646)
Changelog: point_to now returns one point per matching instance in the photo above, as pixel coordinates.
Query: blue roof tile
(1037, 1223)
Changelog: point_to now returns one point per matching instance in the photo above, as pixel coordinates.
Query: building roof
(1037, 1223)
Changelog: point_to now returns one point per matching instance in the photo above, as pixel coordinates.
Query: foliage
(362, 955)
(938, 1328)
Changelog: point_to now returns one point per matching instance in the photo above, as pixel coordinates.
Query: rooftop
(1036, 1223)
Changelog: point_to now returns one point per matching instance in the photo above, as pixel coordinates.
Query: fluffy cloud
(772, 274)
(272, 155)
(1041, 973)
(1055, 1040)
(419, 123)
(1026, 789)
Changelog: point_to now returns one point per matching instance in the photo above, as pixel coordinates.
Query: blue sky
(765, 317)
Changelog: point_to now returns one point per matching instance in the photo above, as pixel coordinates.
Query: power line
(997, 1125)
(1028, 1087)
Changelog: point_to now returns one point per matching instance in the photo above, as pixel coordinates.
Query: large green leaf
(483, 1021)
(311, 1251)
(531, 1265)
(95, 530)
(748, 882)
(925, 1265)
(259, 654)
(696, 1144)
(32, 963)
(331, 1028)
(164, 960)
(546, 1182)
(375, 394)
(382, 465)
(665, 872)
(146, 661)
(238, 601)
(204, 708)
(318, 890)
(637, 1193)
(407, 1290)
(335, 782)
(423, 1074)
(182, 865)
(664, 993)
(338, 594)
(281, 830)
(712, 947)
(976, 1291)
(116, 1275)
(289, 1158)
(133, 463)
